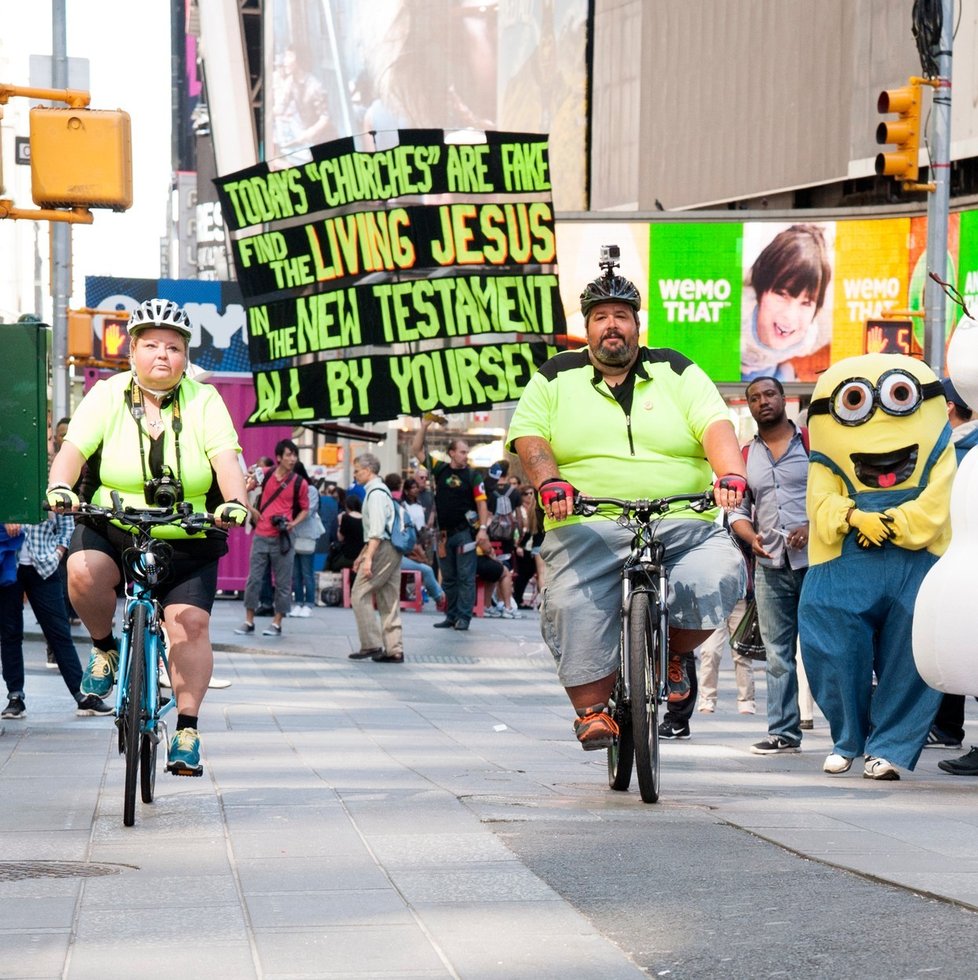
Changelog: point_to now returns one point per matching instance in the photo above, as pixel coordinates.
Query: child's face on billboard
(782, 319)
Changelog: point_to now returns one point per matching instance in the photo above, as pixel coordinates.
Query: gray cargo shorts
(580, 615)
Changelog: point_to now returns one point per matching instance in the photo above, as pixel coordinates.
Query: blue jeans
(777, 591)
(458, 575)
(304, 579)
(47, 600)
(427, 575)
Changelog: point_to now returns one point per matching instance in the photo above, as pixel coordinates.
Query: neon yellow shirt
(655, 451)
(103, 419)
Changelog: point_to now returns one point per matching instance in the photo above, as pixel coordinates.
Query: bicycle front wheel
(132, 717)
(643, 659)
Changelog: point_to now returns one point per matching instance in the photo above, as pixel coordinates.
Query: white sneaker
(879, 769)
(304, 612)
(836, 764)
(492, 612)
(295, 612)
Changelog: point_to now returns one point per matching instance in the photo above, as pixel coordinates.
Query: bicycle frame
(139, 593)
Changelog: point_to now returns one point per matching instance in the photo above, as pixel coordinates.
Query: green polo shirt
(655, 449)
(104, 420)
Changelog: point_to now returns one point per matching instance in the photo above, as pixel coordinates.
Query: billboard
(339, 68)
(785, 299)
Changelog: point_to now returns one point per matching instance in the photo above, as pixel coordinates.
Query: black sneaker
(15, 708)
(967, 765)
(52, 664)
(774, 744)
(445, 624)
(939, 739)
(668, 730)
(90, 704)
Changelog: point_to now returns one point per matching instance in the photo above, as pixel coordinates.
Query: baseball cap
(951, 394)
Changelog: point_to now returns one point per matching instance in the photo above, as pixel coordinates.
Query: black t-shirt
(455, 494)
(352, 528)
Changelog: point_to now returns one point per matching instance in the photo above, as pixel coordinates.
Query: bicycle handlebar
(144, 519)
(585, 506)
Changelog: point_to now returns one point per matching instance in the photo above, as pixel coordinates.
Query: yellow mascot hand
(871, 529)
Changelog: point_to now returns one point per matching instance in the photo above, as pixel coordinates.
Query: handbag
(746, 638)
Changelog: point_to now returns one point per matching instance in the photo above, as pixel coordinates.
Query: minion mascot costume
(879, 490)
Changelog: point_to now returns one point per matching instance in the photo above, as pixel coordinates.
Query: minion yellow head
(877, 417)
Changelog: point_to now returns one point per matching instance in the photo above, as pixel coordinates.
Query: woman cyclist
(155, 436)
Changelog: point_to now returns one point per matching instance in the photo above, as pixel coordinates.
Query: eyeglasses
(854, 400)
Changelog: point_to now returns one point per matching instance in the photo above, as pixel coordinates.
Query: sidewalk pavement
(344, 826)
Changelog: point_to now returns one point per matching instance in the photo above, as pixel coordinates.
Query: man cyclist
(619, 420)
(136, 429)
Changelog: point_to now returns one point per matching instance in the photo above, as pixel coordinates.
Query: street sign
(891, 337)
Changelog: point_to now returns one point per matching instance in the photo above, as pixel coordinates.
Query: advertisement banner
(695, 293)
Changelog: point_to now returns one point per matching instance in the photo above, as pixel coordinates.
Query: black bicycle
(641, 685)
(139, 708)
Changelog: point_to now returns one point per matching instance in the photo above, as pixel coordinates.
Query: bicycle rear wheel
(132, 717)
(621, 754)
(643, 659)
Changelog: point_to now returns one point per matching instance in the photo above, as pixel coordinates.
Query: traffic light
(329, 454)
(903, 132)
(79, 334)
(81, 158)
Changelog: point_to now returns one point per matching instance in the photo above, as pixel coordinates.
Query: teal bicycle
(139, 706)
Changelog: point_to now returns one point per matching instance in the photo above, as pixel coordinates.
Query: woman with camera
(157, 437)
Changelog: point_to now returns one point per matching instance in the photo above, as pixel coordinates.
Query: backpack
(404, 535)
(502, 524)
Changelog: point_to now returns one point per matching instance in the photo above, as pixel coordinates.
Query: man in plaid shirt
(40, 554)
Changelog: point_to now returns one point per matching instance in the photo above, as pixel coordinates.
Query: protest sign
(443, 253)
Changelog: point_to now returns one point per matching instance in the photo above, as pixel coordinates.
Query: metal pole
(937, 205)
(60, 242)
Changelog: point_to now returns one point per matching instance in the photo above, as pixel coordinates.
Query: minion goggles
(854, 400)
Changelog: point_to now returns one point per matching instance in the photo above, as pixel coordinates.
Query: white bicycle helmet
(159, 313)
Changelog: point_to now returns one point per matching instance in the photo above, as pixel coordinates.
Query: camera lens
(165, 497)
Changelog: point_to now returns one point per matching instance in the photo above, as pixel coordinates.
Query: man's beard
(617, 357)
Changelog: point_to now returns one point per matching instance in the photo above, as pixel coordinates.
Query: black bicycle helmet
(159, 313)
(607, 289)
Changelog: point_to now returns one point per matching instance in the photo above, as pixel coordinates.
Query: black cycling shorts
(192, 576)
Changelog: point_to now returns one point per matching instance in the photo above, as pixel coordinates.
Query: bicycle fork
(154, 649)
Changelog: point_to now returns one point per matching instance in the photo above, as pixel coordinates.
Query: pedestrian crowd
(821, 544)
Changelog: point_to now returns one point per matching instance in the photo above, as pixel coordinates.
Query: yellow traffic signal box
(81, 158)
(904, 132)
(79, 334)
